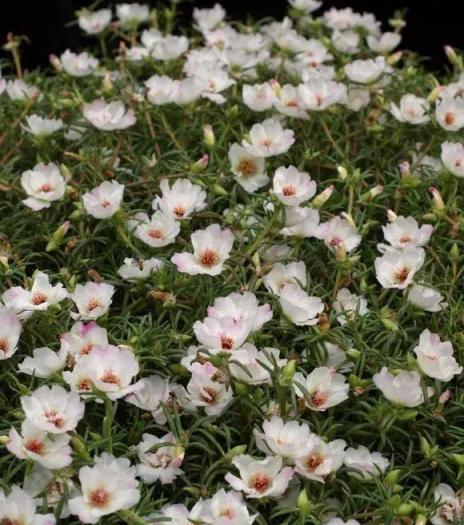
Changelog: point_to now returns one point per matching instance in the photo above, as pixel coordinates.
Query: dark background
(430, 23)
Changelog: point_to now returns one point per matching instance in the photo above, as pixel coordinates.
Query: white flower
(96, 22)
(177, 514)
(161, 89)
(384, 43)
(135, 269)
(339, 521)
(211, 248)
(161, 463)
(403, 389)
(340, 18)
(367, 463)
(346, 41)
(365, 71)
(307, 6)
(292, 187)
(426, 298)
(50, 450)
(82, 339)
(321, 460)
(92, 300)
(108, 486)
(109, 116)
(323, 388)
(289, 440)
(223, 334)
(435, 358)
(258, 97)
(268, 139)
(339, 234)
(452, 156)
(298, 306)
(180, 200)
(19, 507)
(44, 184)
(396, 268)
(282, 274)
(301, 222)
(248, 169)
(205, 390)
(336, 358)
(412, 109)
(357, 98)
(42, 127)
(40, 297)
(53, 409)
(208, 19)
(157, 231)
(152, 392)
(18, 90)
(44, 362)
(289, 102)
(105, 200)
(404, 232)
(251, 366)
(78, 65)
(349, 305)
(132, 13)
(449, 113)
(260, 478)
(10, 330)
(108, 368)
(451, 509)
(318, 94)
(276, 252)
(224, 508)
(169, 47)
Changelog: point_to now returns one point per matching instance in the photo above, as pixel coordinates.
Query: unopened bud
(342, 172)
(4, 440)
(200, 164)
(236, 451)
(107, 84)
(304, 503)
(55, 62)
(391, 215)
(289, 370)
(438, 203)
(454, 252)
(458, 459)
(276, 87)
(453, 57)
(405, 168)
(208, 136)
(323, 197)
(219, 190)
(435, 94)
(394, 58)
(444, 397)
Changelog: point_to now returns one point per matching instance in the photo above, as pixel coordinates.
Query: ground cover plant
(231, 274)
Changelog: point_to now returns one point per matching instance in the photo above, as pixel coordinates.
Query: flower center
(227, 513)
(260, 482)
(46, 188)
(111, 378)
(99, 497)
(401, 275)
(35, 446)
(227, 342)
(318, 398)
(314, 461)
(208, 258)
(54, 418)
(93, 304)
(449, 118)
(3, 345)
(266, 142)
(86, 349)
(156, 233)
(405, 239)
(209, 395)
(85, 384)
(38, 298)
(289, 191)
(105, 203)
(247, 168)
(179, 210)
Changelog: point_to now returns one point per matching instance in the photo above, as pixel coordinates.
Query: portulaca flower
(105, 200)
(19, 507)
(108, 368)
(282, 274)
(340, 18)
(157, 231)
(108, 486)
(17, 89)
(403, 389)
(260, 478)
(367, 463)
(248, 169)
(385, 43)
(318, 94)
(224, 508)
(180, 200)
(160, 89)
(339, 234)
(435, 357)
(322, 459)
(346, 41)
(10, 331)
(300, 308)
(44, 184)
(426, 298)
(78, 65)
(82, 339)
(323, 388)
(404, 232)
(223, 334)
(251, 366)
(357, 98)
(268, 138)
(289, 439)
(336, 358)
(301, 222)
(139, 269)
(365, 71)
(206, 390)
(94, 22)
(208, 19)
(49, 450)
(40, 297)
(307, 6)
(43, 363)
(169, 47)
(109, 116)
(92, 300)
(292, 187)
(449, 113)
(259, 97)
(452, 156)
(161, 463)
(289, 102)
(153, 391)
(42, 127)
(175, 514)
(241, 308)
(349, 305)
(396, 268)
(451, 509)
(132, 13)
(211, 248)
(412, 109)
(53, 409)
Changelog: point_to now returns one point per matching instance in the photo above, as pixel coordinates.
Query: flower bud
(458, 459)
(353, 354)
(55, 62)
(420, 519)
(435, 94)
(393, 476)
(453, 57)
(391, 215)
(438, 203)
(454, 252)
(404, 509)
(342, 172)
(208, 136)
(320, 199)
(304, 503)
(219, 190)
(394, 58)
(200, 164)
(235, 451)
(444, 397)
(289, 371)
(276, 87)
(4, 440)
